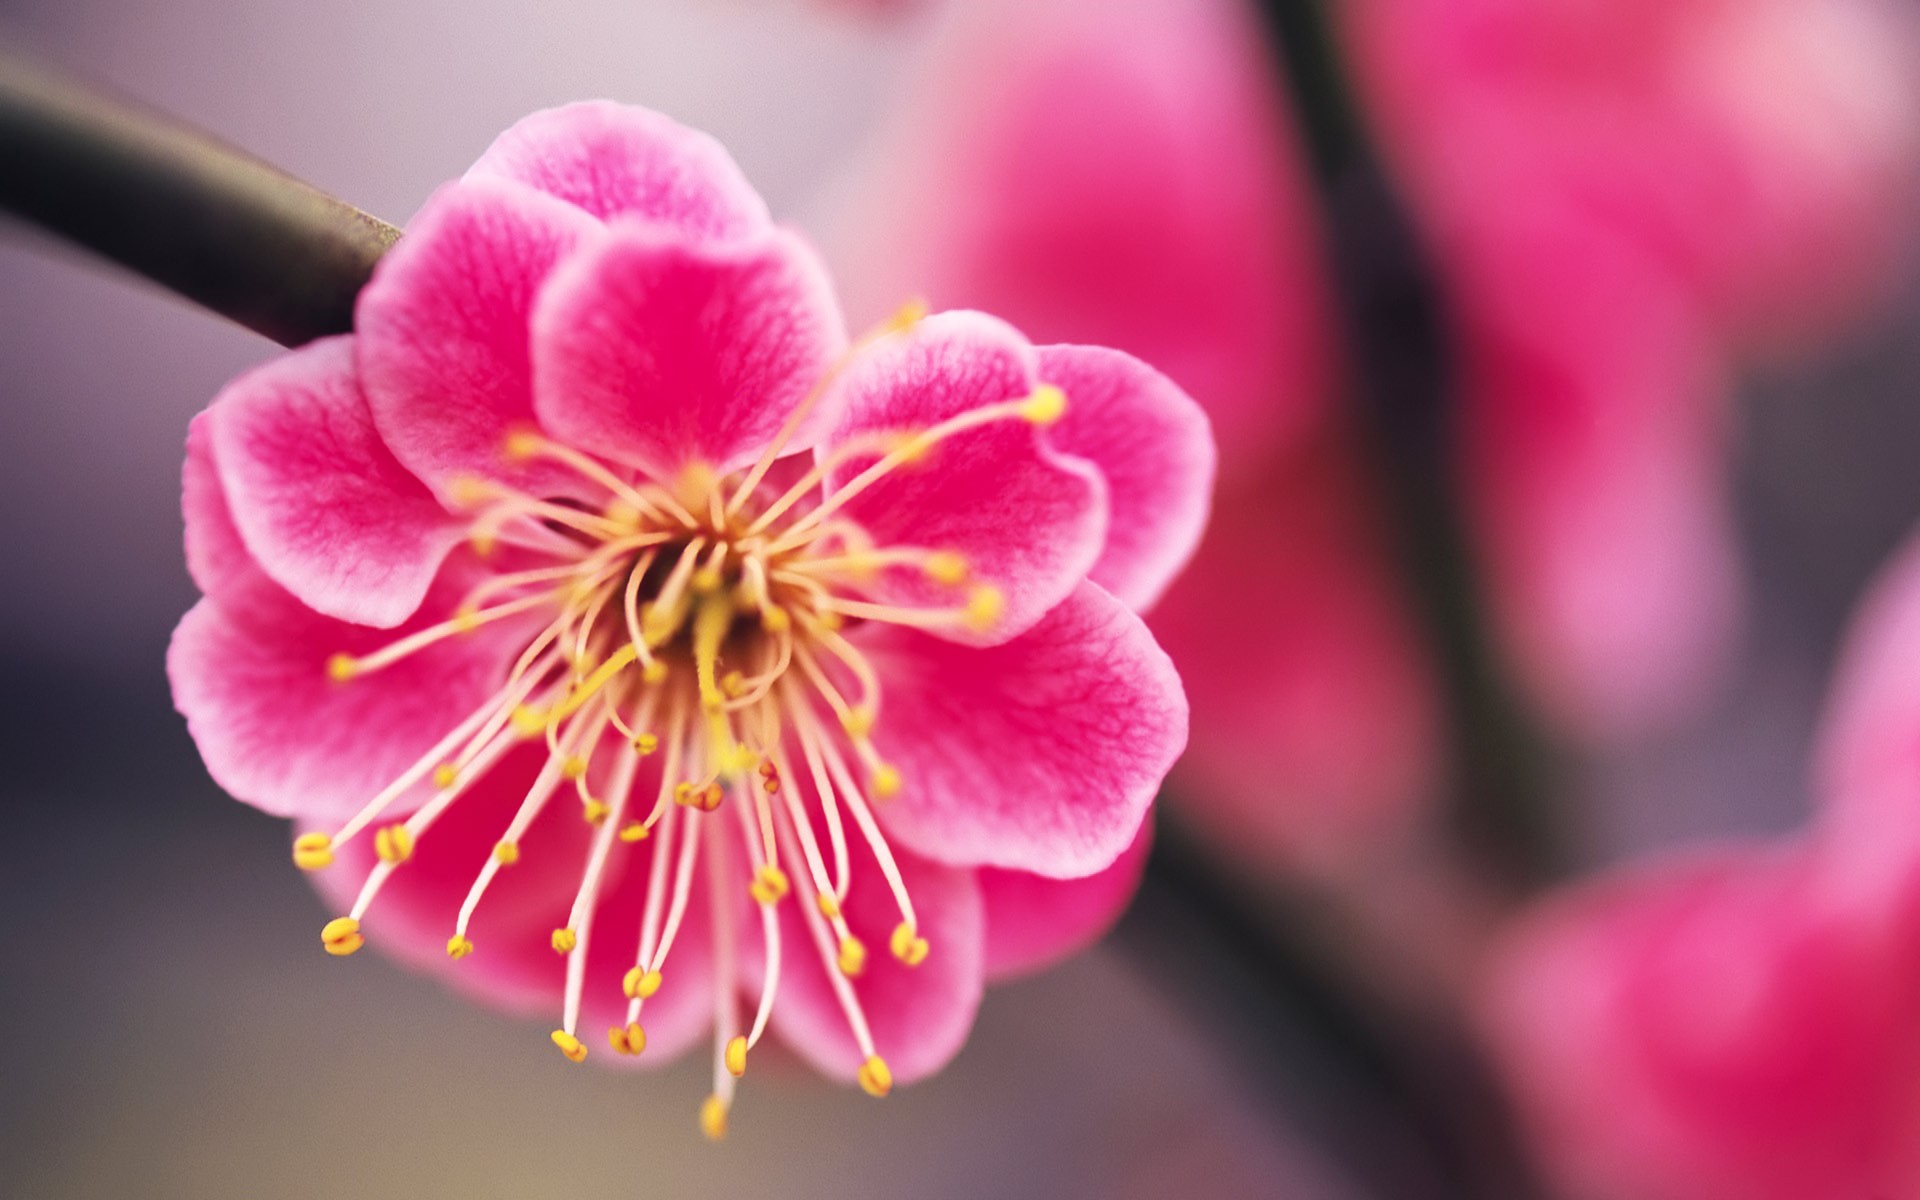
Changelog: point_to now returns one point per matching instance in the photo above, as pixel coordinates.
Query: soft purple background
(171, 1029)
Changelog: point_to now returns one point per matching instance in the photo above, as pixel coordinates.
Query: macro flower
(625, 639)
(1742, 1022)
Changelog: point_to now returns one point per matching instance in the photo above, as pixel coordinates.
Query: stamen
(1044, 406)
(341, 936)
(863, 817)
(837, 979)
(344, 667)
(580, 919)
(417, 825)
(544, 785)
(906, 317)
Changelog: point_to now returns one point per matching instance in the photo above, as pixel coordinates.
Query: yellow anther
(506, 853)
(522, 444)
(573, 768)
(886, 781)
(858, 722)
(627, 1039)
(696, 480)
(906, 316)
(944, 566)
(623, 514)
(465, 620)
(775, 620)
(984, 607)
(654, 672)
(639, 983)
(830, 621)
(483, 543)
(445, 775)
(1047, 405)
(853, 956)
(646, 743)
(734, 684)
(342, 667)
(709, 799)
(908, 946)
(458, 947)
(634, 831)
(528, 721)
(467, 491)
(769, 885)
(875, 1079)
(341, 936)
(393, 843)
(570, 1045)
(706, 580)
(911, 448)
(594, 811)
(737, 1056)
(829, 905)
(713, 1118)
(683, 795)
(311, 851)
(564, 940)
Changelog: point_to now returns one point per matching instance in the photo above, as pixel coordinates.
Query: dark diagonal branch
(216, 225)
(1404, 367)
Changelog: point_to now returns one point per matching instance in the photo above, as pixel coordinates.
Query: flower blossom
(624, 638)
(1742, 1022)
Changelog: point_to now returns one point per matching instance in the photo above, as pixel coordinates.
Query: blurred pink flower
(1622, 193)
(599, 501)
(1124, 173)
(1761, 150)
(1744, 1023)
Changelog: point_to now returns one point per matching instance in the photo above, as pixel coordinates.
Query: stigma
(699, 624)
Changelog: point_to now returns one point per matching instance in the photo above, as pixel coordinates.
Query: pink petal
(1155, 449)
(443, 339)
(1041, 754)
(249, 672)
(1033, 921)
(659, 351)
(616, 160)
(325, 508)
(920, 1016)
(216, 557)
(1868, 779)
(513, 965)
(1026, 518)
(1594, 436)
(1704, 1030)
(1316, 739)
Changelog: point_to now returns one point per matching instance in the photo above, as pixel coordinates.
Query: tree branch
(214, 224)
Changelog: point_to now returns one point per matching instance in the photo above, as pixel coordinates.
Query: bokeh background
(170, 1029)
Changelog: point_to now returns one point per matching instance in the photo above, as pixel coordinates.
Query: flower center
(704, 619)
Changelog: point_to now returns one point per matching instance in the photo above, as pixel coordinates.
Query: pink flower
(1761, 150)
(1624, 196)
(601, 613)
(1744, 1023)
(1124, 173)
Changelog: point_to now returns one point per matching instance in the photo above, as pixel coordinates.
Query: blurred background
(171, 1030)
